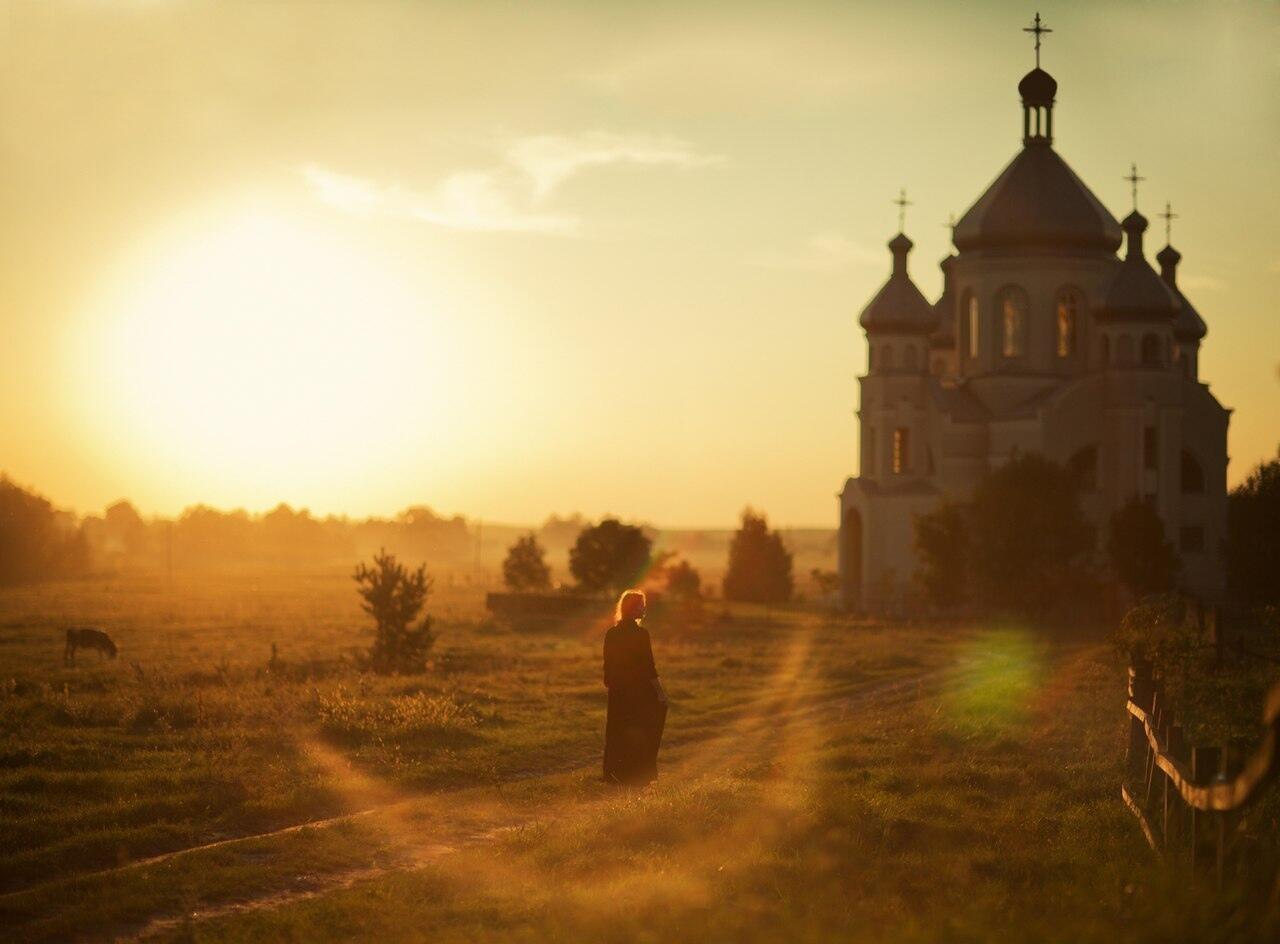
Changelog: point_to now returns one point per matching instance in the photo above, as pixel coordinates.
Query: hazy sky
(509, 259)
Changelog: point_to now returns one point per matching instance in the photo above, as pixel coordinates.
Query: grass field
(821, 779)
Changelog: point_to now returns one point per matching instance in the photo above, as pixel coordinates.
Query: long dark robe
(636, 717)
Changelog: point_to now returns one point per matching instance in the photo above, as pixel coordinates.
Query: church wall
(1042, 277)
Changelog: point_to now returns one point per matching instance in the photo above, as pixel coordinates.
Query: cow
(87, 637)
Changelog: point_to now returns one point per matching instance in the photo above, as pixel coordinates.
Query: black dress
(636, 718)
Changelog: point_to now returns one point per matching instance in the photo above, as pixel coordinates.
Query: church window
(1150, 351)
(1191, 538)
(971, 316)
(901, 450)
(1013, 318)
(939, 368)
(1124, 351)
(1105, 345)
(871, 450)
(1084, 466)
(886, 358)
(1068, 317)
(1150, 448)
(909, 357)
(1192, 474)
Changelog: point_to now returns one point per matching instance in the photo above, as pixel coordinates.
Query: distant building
(1042, 341)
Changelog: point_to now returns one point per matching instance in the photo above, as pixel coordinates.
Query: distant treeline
(39, 541)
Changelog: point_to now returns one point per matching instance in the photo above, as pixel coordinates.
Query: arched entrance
(851, 559)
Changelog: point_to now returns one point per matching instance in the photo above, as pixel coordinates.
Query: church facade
(1043, 340)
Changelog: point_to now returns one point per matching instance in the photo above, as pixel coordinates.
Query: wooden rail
(1181, 796)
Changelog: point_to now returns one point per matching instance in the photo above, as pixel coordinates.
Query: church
(1044, 340)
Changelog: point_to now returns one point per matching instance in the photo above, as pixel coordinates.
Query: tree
(759, 563)
(942, 547)
(37, 542)
(394, 596)
(1029, 536)
(525, 567)
(126, 528)
(609, 556)
(1141, 558)
(683, 582)
(1253, 534)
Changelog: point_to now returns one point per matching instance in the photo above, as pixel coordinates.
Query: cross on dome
(902, 203)
(1038, 29)
(1134, 180)
(1168, 216)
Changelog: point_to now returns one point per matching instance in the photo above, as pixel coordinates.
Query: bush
(942, 547)
(36, 541)
(683, 582)
(1142, 559)
(525, 567)
(394, 596)
(759, 563)
(1253, 535)
(609, 556)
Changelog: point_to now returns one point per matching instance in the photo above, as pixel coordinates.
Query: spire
(1038, 90)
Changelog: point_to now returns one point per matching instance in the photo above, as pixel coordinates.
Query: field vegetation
(820, 778)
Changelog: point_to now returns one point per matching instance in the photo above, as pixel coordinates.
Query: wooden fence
(1190, 801)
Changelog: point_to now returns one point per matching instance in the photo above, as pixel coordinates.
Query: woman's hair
(630, 606)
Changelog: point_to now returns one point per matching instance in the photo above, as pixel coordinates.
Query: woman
(637, 702)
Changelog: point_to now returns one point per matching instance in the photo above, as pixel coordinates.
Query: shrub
(1142, 559)
(609, 556)
(394, 596)
(525, 567)
(1253, 534)
(683, 582)
(942, 547)
(759, 563)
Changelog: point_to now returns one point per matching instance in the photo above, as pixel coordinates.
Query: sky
(510, 259)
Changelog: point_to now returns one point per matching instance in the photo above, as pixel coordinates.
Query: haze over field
(516, 259)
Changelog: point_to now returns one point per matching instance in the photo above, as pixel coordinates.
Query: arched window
(971, 324)
(1012, 306)
(1069, 305)
(939, 368)
(1105, 347)
(871, 452)
(886, 358)
(1084, 466)
(1150, 350)
(909, 357)
(901, 450)
(1124, 351)
(1192, 473)
(871, 358)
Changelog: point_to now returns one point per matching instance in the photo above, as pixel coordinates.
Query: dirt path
(681, 759)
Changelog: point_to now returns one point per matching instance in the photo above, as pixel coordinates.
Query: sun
(259, 357)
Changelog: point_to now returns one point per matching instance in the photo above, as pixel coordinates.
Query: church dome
(1137, 293)
(1038, 87)
(1187, 324)
(1038, 203)
(944, 335)
(899, 307)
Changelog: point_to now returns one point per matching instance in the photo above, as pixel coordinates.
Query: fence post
(1140, 691)
(1204, 765)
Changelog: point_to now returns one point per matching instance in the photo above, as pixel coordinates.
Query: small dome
(1038, 87)
(1187, 324)
(1168, 257)
(899, 307)
(944, 335)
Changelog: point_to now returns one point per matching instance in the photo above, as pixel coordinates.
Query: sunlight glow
(262, 352)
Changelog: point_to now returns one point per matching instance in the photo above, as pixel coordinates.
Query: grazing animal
(86, 637)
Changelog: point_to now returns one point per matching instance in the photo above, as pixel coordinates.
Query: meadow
(821, 778)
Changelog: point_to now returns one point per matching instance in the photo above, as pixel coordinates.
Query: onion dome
(1137, 293)
(899, 308)
(1038, 88)
(1038, 203)
(1187, 324)
(944, 335)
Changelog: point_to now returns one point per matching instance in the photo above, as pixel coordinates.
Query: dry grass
(821, 779)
